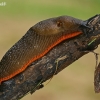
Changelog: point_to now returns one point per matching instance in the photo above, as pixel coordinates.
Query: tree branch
(52, 63)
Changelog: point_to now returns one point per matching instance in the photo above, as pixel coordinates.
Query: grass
(76, 81)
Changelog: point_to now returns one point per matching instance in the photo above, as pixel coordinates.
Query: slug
(38, 41)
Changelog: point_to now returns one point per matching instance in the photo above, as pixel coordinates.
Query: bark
(53, 62)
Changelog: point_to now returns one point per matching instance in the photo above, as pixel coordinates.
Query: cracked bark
(59, 57)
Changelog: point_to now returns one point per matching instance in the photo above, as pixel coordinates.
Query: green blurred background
(76, 82)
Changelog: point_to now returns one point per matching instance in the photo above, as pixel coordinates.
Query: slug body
(38, 40)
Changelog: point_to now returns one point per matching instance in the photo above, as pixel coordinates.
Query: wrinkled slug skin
(38, 40)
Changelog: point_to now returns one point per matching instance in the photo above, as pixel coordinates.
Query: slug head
(57, 25)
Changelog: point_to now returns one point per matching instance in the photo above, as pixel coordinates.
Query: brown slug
(38, 41)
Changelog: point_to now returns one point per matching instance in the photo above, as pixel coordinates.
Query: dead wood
(53, 62)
